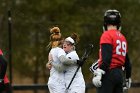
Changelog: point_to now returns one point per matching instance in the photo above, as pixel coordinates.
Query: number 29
(121, 45)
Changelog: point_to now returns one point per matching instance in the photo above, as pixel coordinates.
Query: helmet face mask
(112, 17)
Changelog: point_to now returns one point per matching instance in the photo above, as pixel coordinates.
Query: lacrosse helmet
(112, 17)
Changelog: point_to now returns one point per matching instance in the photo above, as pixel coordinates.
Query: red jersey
(119, 47)
(1, 52)
(6, 80)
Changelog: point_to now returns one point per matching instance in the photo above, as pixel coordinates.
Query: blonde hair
(55, 37)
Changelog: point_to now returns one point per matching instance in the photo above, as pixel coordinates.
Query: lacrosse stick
(125, 89)
(88, 51)
(125, 82)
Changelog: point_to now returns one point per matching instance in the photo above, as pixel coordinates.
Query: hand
(49, 65)
(80, 62)
(97, 79)
(127, 83)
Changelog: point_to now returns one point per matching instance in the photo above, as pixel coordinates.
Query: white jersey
(56, 82)
(78, 84)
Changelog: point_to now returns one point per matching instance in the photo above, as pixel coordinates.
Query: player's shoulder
(122, 35)
(56, 49)
(73, 54)
(106, 34)
(60, 50)
(111, 33)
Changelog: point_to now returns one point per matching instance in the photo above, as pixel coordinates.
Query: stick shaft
(73, 77)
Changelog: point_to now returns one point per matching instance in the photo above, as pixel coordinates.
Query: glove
(127, 84)
(80, 62)
(97, 79)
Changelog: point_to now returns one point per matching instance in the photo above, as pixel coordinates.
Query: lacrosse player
(4, 82)
(113, 55)
(56, 57)
(78, 84)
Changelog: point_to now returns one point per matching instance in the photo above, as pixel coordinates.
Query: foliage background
(32, 19)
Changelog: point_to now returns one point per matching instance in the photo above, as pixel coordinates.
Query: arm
(67, 61)
(128, 67)
(106, 56)
(48, 64)
(58, 66)
(51, 63)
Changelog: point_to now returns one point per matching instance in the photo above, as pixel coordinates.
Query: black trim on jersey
(106, 53)
(128, 66)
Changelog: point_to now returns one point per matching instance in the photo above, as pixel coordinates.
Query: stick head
(88, 51)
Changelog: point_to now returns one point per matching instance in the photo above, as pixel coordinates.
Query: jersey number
(121, 45)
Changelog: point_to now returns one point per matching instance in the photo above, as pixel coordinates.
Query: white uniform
(56, 82)
(78, 84)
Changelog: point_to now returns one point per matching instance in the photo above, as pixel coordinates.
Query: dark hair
(75, 37)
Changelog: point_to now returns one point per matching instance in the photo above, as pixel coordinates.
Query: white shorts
(56, 85)
(76, 90)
